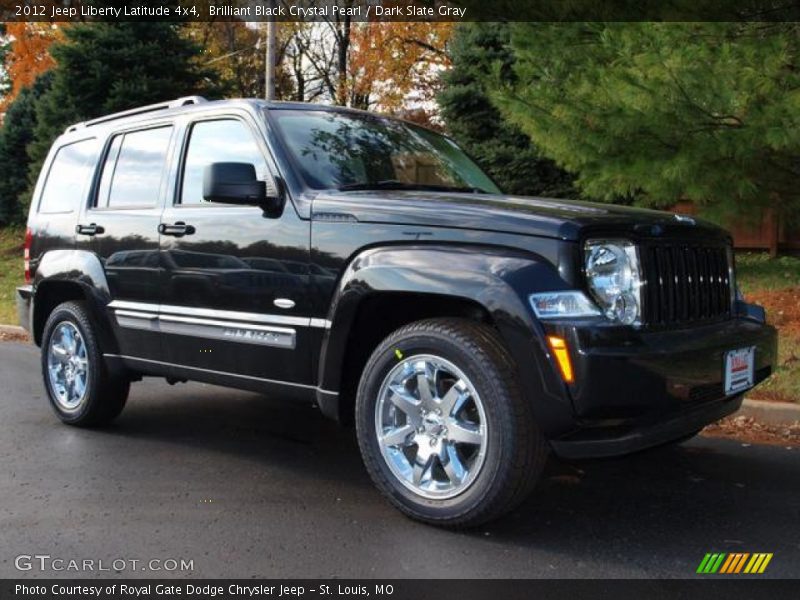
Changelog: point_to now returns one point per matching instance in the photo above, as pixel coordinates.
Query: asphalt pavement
(247, 486)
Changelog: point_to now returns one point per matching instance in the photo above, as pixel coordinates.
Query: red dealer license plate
(739, 370)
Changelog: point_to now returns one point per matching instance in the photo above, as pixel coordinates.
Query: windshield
(336, 150)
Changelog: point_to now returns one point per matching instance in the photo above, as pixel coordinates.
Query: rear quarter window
(67, 182)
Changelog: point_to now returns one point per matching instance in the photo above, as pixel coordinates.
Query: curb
(771, 413)
(12, 330)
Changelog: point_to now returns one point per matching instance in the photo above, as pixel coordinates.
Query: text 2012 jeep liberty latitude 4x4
(369, 265)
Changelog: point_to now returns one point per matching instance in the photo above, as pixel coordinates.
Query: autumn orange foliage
(391, 61)
(29, 56)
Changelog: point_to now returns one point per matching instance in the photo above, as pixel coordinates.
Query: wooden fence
(767, 234)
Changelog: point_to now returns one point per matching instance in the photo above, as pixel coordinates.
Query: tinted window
(66, 184)
(218, 141)
(341, 150)
(133, 169)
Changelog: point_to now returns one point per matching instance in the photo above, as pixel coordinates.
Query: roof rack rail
(184, 101)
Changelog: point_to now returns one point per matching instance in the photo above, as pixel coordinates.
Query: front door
(233, 299)
(121, 228)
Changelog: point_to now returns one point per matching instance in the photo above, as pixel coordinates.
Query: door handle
(178, 229)
(90, 229)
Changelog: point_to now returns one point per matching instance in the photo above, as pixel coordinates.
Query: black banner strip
(705, 588)
(401, 10)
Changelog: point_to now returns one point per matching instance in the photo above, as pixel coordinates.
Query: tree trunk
(342, 51)
(774, 231)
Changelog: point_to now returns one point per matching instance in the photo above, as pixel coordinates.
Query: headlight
(612, 272)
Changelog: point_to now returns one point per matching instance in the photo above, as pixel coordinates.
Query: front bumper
(637, 389)
(24, 299)
(623, 439)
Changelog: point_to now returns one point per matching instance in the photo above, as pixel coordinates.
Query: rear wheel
(442, 424)
(80, 388)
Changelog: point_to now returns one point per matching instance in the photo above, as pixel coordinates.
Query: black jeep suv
(369, 265)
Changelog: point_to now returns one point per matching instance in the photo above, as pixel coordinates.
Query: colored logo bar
(734, 563)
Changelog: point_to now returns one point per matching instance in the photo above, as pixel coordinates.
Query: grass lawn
(775, 284)
(11, 272)
(756, 272)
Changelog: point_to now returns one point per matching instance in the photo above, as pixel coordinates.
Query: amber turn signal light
(559, 347)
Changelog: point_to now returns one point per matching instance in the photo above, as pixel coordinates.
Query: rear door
(121, 227)
(230, 302)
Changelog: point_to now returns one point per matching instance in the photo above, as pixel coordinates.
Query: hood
(544, 217)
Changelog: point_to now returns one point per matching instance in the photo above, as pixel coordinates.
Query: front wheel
(443, 426)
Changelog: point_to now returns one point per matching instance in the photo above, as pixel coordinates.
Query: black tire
(515, 451)
(105, 395)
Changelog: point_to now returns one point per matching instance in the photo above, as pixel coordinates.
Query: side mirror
(236, 183)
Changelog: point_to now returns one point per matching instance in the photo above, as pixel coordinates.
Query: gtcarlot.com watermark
(46, 563)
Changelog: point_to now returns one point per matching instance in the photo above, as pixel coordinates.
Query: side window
(66, 184)
(226, 140)
(133, 169)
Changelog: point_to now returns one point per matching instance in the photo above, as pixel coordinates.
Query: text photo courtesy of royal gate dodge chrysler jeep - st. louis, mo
(534, 281)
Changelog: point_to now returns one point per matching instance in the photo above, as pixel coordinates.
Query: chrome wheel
(68, 366)
(431, 426)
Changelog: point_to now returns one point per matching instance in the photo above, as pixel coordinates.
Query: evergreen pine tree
(15, 136)
(500, 147)
(103, 68)
(661, 112)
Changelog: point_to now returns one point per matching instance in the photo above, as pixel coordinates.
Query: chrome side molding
(224, 315)
(264, 335)
(242, 327)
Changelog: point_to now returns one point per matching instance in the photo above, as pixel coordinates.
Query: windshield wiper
(394, 184)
